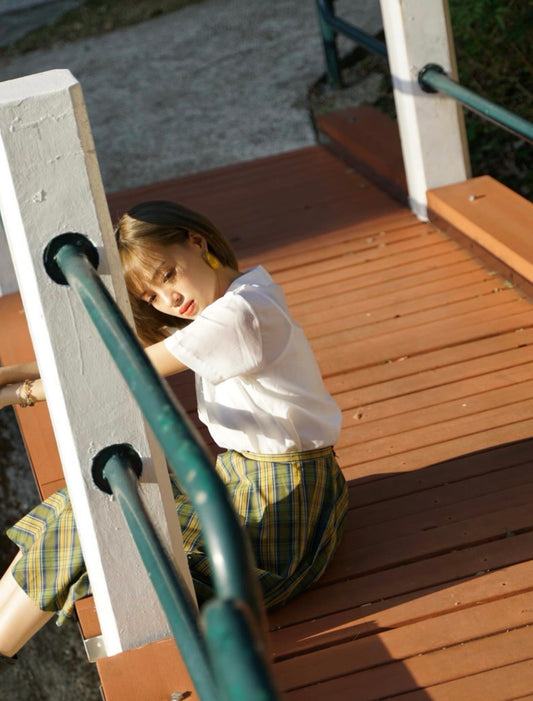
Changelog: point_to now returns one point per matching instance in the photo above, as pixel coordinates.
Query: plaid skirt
(292, 506)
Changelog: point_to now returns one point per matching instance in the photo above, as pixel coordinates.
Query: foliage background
(494, 45)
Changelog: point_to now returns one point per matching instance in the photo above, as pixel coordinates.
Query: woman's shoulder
(257, 288)
(253, 278)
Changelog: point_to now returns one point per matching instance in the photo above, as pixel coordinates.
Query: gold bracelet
(25, 395)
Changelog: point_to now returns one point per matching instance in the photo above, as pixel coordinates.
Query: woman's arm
(20, 384)
(8, 396)
(18, 373)
(163, 360)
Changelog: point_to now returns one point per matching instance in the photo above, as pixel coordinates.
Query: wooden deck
(429, 355)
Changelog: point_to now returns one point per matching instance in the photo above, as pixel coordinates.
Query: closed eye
(168, 274)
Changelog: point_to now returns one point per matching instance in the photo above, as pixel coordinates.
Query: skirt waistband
(285, 457)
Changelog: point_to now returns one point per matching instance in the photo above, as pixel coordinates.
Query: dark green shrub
(493, 42)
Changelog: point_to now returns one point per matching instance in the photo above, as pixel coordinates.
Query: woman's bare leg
(8, 583)
(20, 618)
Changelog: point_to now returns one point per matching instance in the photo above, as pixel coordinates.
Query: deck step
(492, 221)
(370, 140)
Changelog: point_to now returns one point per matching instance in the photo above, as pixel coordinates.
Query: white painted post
(51, 185)
(431, 125)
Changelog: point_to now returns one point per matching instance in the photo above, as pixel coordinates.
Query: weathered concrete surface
(216, 83)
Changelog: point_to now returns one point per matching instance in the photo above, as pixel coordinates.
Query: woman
(260, 393)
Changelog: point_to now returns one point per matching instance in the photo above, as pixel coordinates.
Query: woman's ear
(198, 240)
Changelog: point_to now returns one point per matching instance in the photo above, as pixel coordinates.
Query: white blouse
(258, 385)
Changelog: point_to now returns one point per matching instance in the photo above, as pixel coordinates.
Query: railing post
(431, 125)
(329, 42)
(50, 185)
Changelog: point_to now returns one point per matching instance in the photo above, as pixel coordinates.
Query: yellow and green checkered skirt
(292, 506)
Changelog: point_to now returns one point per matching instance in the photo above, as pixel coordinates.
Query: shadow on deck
(428, 352)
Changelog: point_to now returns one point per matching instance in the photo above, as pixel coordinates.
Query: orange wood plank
(335, 593)
(492, 216)
(427, 670)
(511, 681)
(486, 340)
(47, 488)
(352, 252)
(382, 399)
(289, 251)
(294, 260)
(418, 458)
(87, 617)
(396, 612)
(367, 312)
(428, 507)
(435, 336)
(148, 673)
(370, 280)
(460, 511)
(382, 297)
(369, 136)
(454, 471)
(365, 557)
(263, 199)
(460, 311)
(457, 628)
(380, 268)
(462, 402)
(458, 395)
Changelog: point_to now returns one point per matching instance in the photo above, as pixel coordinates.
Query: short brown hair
(154, 224)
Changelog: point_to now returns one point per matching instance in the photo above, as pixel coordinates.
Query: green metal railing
(330, 24)
(229, 661)
(118, 470)
(431, 78)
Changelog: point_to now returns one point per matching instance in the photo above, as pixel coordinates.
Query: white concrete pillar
(50, 185)
(431, 125)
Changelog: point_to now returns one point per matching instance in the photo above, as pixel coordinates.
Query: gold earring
(211, 260)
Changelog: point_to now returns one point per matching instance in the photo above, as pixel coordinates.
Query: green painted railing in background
(329, 25)
(432, 77)
(234, 620)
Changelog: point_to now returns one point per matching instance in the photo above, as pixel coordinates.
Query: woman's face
(179, 282)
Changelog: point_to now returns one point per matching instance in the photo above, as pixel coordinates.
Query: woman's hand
(20, 384)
